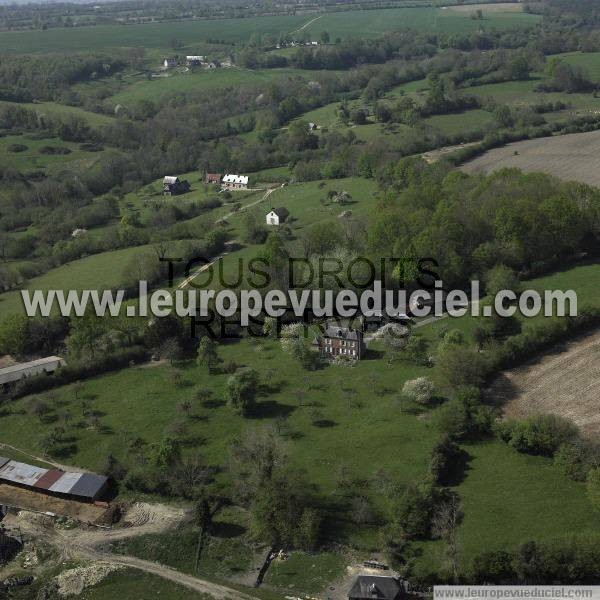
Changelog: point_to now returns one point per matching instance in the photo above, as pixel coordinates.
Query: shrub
(539, 434)
(420, 390)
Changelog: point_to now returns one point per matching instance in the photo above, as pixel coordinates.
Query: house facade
(342, 341)
(235, 182)
(169, 63)
(277, 216)
(172, 186)
(194, 60)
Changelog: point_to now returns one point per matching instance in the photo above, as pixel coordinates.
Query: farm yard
(571, 157)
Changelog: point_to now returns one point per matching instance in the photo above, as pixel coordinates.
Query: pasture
(139, 87)
(96, 272)
(53, 109)
(571, 157)
(30, 152)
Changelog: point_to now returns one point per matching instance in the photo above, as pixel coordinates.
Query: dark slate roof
(89, 485)
(3, 461)
(333, 331)
(376, 587)
(281, 212)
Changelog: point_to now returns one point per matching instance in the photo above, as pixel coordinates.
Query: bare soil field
(28, 500)
(573, 157)
(492, 7)
(565, 382)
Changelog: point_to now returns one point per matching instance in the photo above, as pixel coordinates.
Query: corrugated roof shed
(3, 461)
(48, 479)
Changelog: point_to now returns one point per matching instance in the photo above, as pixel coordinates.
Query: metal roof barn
(29, 369)
(89, 485)
(48, 479)
(65, 483)
(3, 461)
(21, 473)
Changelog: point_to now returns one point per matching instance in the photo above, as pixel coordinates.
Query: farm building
(376, 587)
(169, 63)
(14, 373)
(341, 341)
(173, 185)
(213, 65)
(84, 487)
(213, 178)
(235, 182)
(277, 216)
(312, 126)
(194, 60)
(79, 232)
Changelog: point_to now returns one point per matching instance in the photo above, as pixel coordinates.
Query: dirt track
(564, 382)
(90, 543)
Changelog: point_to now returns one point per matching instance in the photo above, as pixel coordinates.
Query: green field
(370, 23)
(33, 158)
(589, 61)
(455, 123)
(95, 272)
(139, 87)
(373, 23)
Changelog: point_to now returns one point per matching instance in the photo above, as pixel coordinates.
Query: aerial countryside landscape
(299, 299)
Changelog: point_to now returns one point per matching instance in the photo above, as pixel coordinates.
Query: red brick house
(341, 341)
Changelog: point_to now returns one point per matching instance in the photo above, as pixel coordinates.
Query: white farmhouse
(277, 216)
(235, 182)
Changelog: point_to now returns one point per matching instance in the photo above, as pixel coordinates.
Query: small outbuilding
(213, 178)
(376, 587)
(277, 216)
(172, 186)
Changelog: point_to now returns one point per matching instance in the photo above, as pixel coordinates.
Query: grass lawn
(306, 573)
(131, 583)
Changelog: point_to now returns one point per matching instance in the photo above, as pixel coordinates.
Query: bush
(420, 390)
(539, 434)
